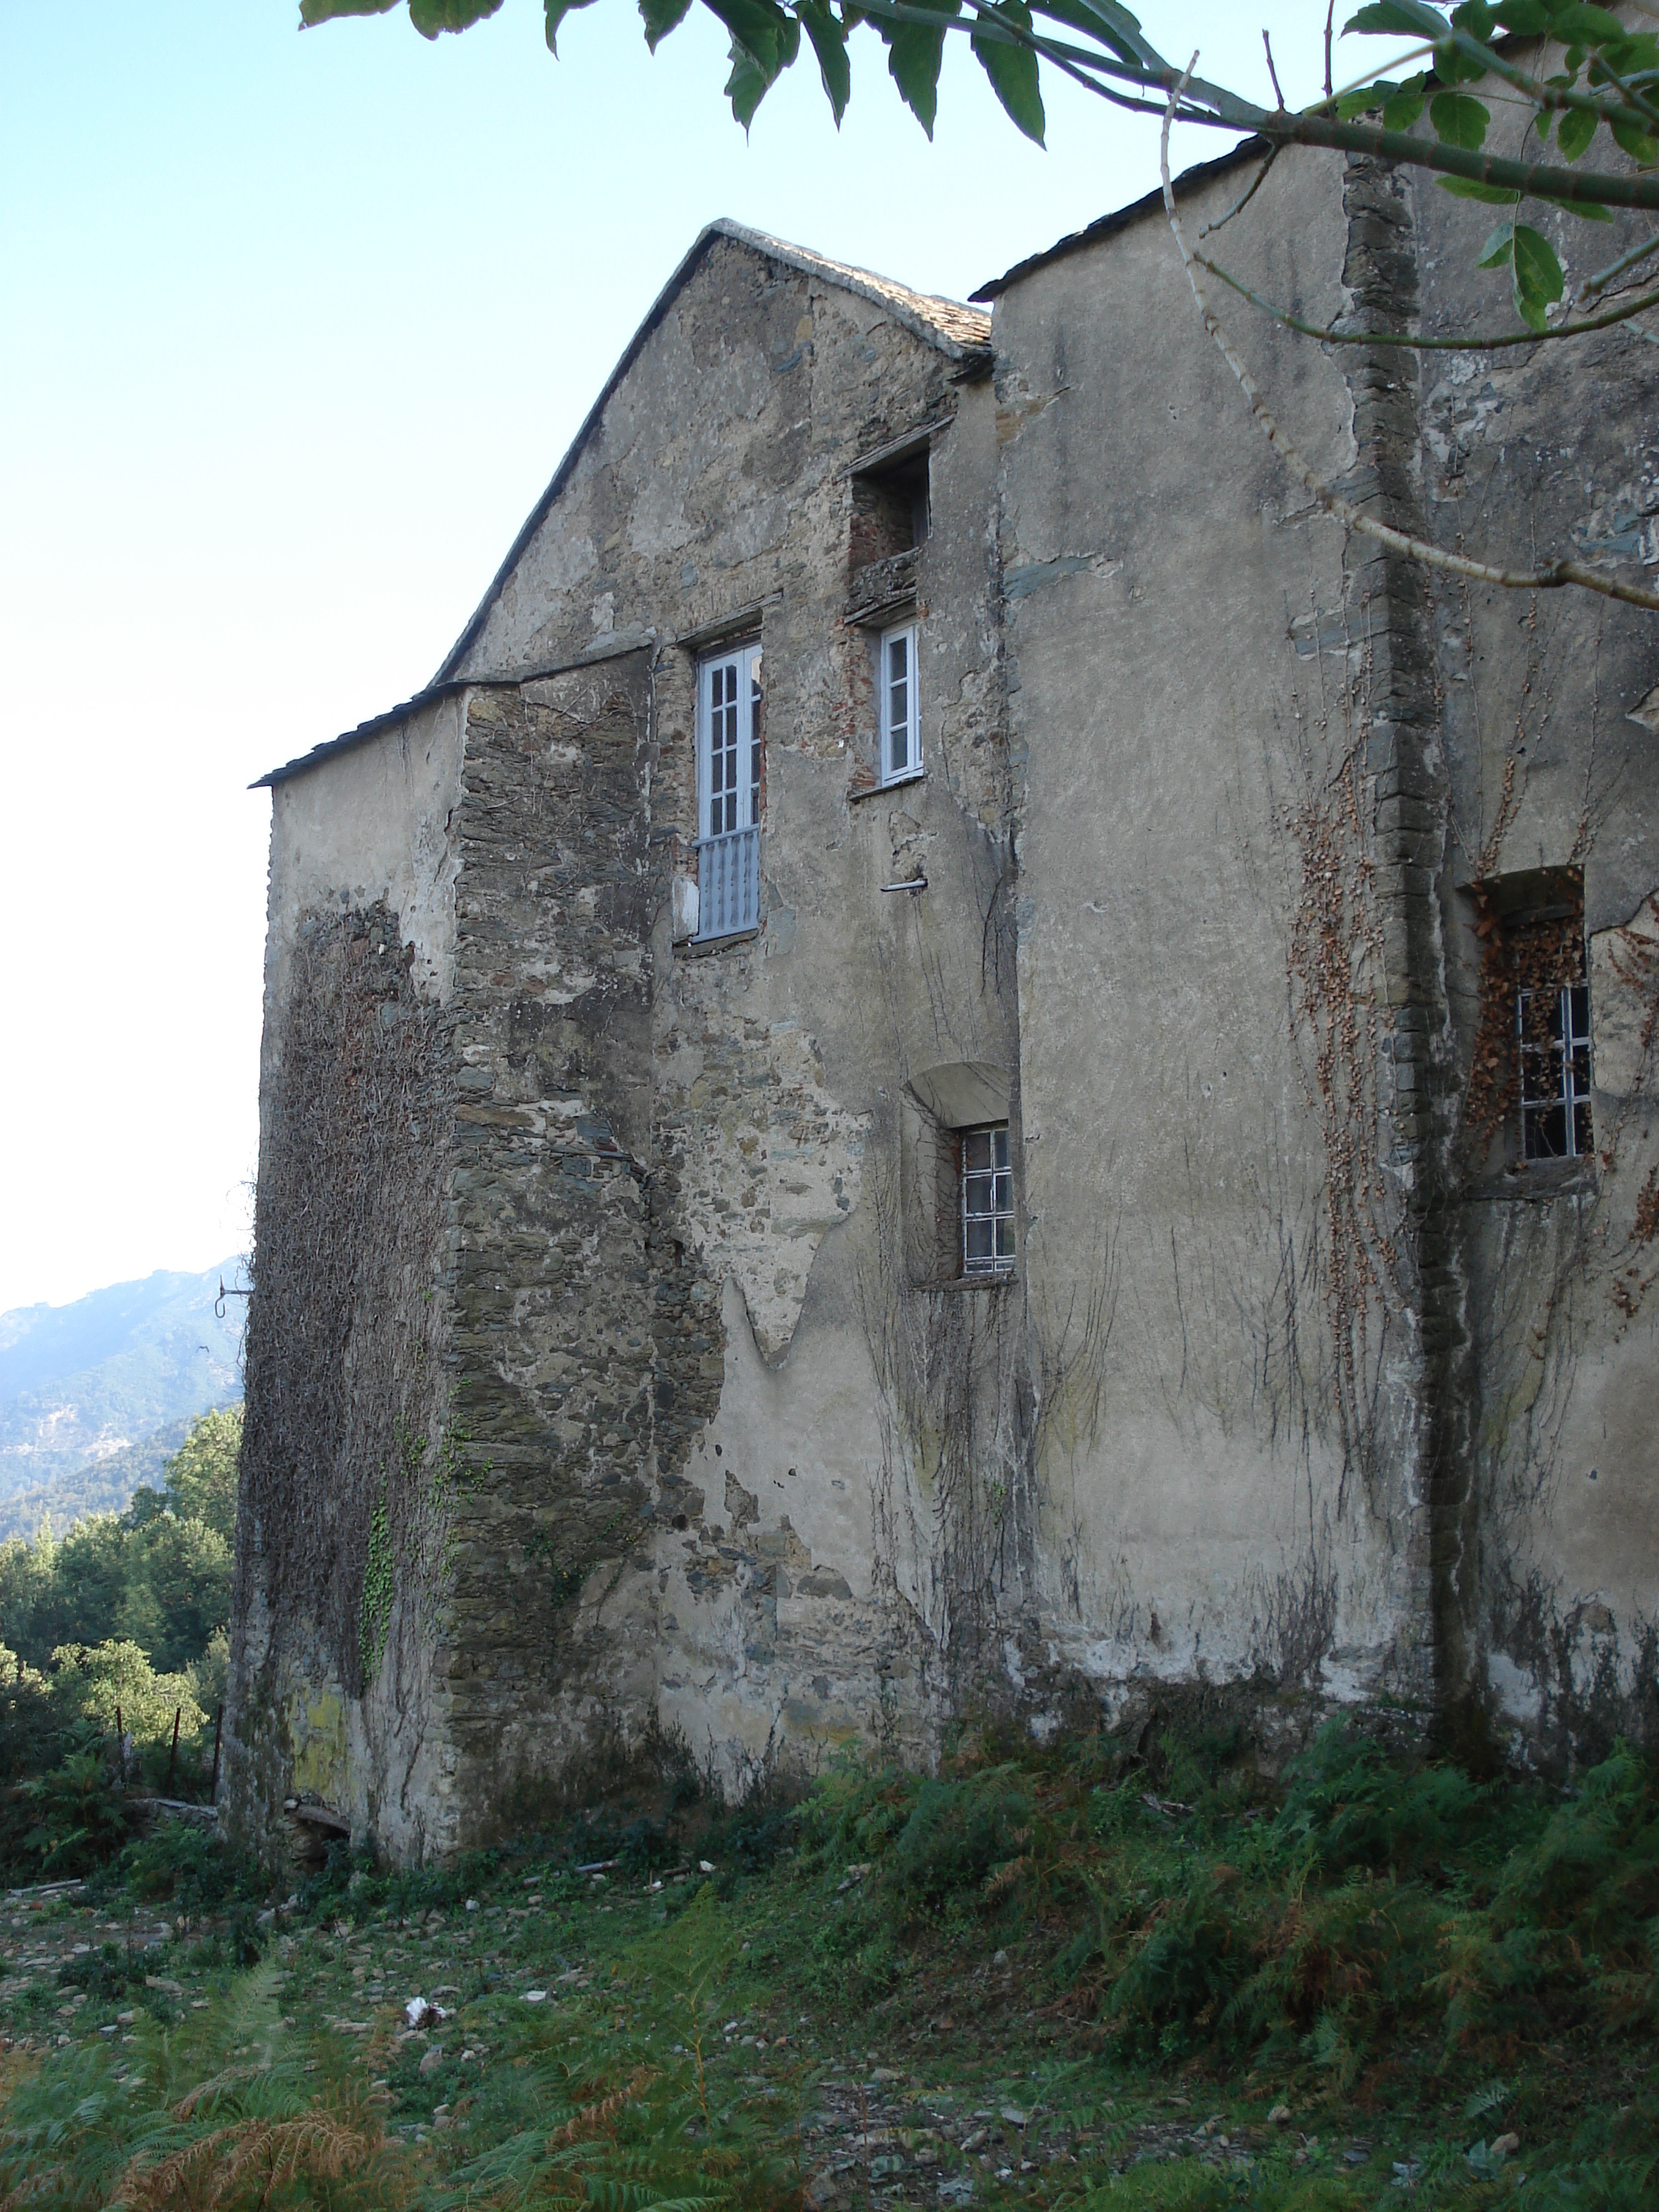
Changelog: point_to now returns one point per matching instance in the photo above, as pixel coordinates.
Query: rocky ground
(984, 2096)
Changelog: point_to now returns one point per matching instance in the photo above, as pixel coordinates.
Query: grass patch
(1069, 1977)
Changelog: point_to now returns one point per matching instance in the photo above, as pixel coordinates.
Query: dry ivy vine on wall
(345, 1443)
(946, 1492)
(1333, 969)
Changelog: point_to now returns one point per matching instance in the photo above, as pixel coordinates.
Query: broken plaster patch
(770, 1164)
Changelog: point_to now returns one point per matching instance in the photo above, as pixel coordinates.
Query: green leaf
(555, 11)
(1397, 17)
(746, 86)
(431, 17)
(1469, 188)
(914, 55)
(1115, 27)
(1639, 144)
(1587, 210)
(754, 73)
(1453, 66)
(829, 37)
(1574, 132)
(1402, 111)
(761, 29)
(1458, 120)
(1476, 18)
(325, 11)
(1498, 251)
(1012, 70)
(1365, 100)
(1594, 25)
(659, 16)
(1528, 19)
(1538, 278)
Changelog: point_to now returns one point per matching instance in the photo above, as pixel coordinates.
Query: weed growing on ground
(1083, 1978)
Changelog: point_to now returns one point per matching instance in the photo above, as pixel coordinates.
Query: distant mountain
(113, 1374)
(101, 1486)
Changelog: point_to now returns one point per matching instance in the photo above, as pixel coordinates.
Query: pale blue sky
(295, 328)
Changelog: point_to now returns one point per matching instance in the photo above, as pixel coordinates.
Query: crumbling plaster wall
(1554, 763)
(717, 488)
(1225, 1421)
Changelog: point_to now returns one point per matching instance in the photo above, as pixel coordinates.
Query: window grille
(729, 738)
(1553, 1039)
(987, 1201)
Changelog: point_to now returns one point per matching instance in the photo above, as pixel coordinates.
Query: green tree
(93, 1683)
(176, 1590)
(200, 1481)
(1602, 96)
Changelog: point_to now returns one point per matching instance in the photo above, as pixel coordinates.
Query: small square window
(897, 705)
(988, 1201)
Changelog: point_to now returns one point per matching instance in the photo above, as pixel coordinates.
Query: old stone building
(965, 1053)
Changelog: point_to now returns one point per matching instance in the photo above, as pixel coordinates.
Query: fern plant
(227, 2111)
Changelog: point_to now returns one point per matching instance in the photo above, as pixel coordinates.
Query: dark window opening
(889, 510)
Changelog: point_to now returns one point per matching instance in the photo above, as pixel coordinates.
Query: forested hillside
(92, 1393)
(113, 1640)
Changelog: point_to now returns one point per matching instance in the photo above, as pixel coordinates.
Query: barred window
(1551, 1029)
(988, 1201)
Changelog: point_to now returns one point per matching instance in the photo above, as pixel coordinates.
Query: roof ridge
(962, 326)
(968, 331)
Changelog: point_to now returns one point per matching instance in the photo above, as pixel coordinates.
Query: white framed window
(988, 1201)
(728, 742)
(897, 706)
(729, 739)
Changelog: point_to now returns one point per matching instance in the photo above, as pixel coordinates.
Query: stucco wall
(1528, 453)
(1181, 704)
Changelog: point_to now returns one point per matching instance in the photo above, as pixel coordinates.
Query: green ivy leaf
(1012, 70)
(914, 55)
(1639, 144)
(1476, 18)
(1537, 279)
(1528, 19)
(1460, 121)
(829, 37)
(659, 16)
